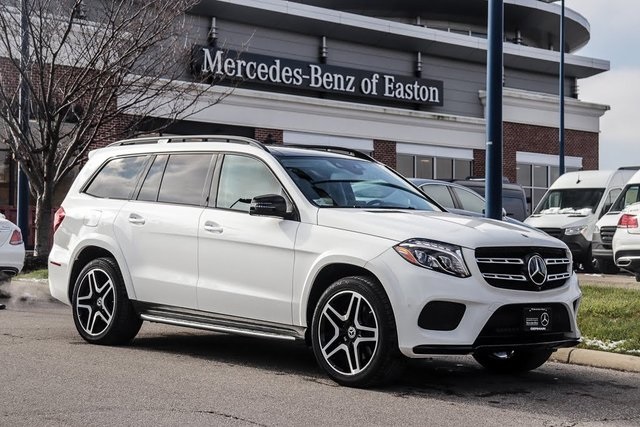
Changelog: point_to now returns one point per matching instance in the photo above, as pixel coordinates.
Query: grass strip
(609, 319)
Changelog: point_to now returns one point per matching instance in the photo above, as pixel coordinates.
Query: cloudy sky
(615, 36)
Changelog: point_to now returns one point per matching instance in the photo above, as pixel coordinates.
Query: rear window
(117, 179)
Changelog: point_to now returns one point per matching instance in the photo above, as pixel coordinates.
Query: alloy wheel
(95, 302)
(348, 333)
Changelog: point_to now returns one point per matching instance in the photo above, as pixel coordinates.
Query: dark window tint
(151, 184)
(184, 179)
(470, 200)
(117, 179)
(439, 193)
(243, 178)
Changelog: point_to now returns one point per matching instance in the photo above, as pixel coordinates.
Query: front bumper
(411, 288)
(579, 246)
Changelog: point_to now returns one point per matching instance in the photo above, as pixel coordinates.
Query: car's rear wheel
(353, 333)
(513, 361)
(102, 311)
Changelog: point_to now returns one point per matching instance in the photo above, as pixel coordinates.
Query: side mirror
(269, 205)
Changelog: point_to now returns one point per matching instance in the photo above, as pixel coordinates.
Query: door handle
(212, 227)
(136, 219)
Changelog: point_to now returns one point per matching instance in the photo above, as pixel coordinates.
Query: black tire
(343, 337)
(102, 311)
(512, 362)
(606, 266)
(587, 262)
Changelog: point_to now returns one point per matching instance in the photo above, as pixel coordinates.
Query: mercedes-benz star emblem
(537, 270)
(544, 319)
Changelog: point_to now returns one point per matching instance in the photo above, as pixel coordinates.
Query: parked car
(573, 204)
(514, 199)
(11, 249)
(626, 240)
(451, 196)
(226, 234)
(602, 250)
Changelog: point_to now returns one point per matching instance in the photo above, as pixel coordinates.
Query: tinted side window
(151, 184)
(117, 179)
(514, 207)
(470, 200)
(439, 193)
(241, 179)
(184, 179)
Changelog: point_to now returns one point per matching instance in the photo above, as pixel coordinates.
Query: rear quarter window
(117, 179)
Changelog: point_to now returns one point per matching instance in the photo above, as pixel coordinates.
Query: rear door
(158, 230)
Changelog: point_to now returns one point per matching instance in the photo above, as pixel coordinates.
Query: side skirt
(217, 322)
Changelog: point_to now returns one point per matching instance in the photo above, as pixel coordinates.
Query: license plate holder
(537, 319)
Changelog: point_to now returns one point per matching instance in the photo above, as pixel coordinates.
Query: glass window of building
(405, 165)
(433, 167)
(536, 179)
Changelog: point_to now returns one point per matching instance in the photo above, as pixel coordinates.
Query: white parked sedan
(11, 248)
(626, 240)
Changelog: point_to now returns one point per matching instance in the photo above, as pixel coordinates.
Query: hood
(465, 231)
(559, 220)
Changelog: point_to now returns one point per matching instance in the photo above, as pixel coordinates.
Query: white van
(606, 226)
(573, 204)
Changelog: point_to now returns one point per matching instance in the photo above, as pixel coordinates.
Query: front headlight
(572, 231)
(436, 256)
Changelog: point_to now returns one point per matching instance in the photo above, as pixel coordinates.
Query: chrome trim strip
(215, 328)
(558, 276)
(515, 277)
(556, 261)
(500, 260)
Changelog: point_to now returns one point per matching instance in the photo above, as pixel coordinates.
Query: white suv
(324, 245)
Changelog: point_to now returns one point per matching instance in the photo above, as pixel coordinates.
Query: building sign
(261, 69)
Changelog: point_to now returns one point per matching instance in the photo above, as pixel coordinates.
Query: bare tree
(95, 73)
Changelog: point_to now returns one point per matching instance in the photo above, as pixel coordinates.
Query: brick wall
(385, 152)
(262, 134)
(543, 140)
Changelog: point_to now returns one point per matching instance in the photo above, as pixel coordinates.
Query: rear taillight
(58, 218)
(628, 221)
(16, 238)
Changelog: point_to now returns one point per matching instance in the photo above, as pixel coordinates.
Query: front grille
(606, 235)
(505, 327)
(507, 267)
(553, 232)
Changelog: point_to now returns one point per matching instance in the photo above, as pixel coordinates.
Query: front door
(245, 262)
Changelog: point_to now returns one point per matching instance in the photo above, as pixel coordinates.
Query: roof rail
(341, 150)
(190, 138)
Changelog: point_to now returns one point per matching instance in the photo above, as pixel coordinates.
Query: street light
(561, 94)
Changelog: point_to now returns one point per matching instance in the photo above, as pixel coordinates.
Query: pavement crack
(12, 336)
(232, 417)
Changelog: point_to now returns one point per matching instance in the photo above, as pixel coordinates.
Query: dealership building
(404, 81)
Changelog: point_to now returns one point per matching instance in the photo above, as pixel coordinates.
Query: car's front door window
(242, 178)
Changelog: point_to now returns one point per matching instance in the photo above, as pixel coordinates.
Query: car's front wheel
(513, 361)
(102, 311)
(353, 333)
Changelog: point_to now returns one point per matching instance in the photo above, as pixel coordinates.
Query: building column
(269, 136)
(385, 152)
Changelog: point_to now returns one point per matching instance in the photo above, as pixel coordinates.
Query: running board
(216, 328)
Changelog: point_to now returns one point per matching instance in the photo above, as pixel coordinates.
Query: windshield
(332, 182)
(630, 195)
(581, 201)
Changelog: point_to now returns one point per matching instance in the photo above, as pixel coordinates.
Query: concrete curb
(597, 359)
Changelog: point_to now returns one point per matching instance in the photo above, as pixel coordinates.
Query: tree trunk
(44, 226)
